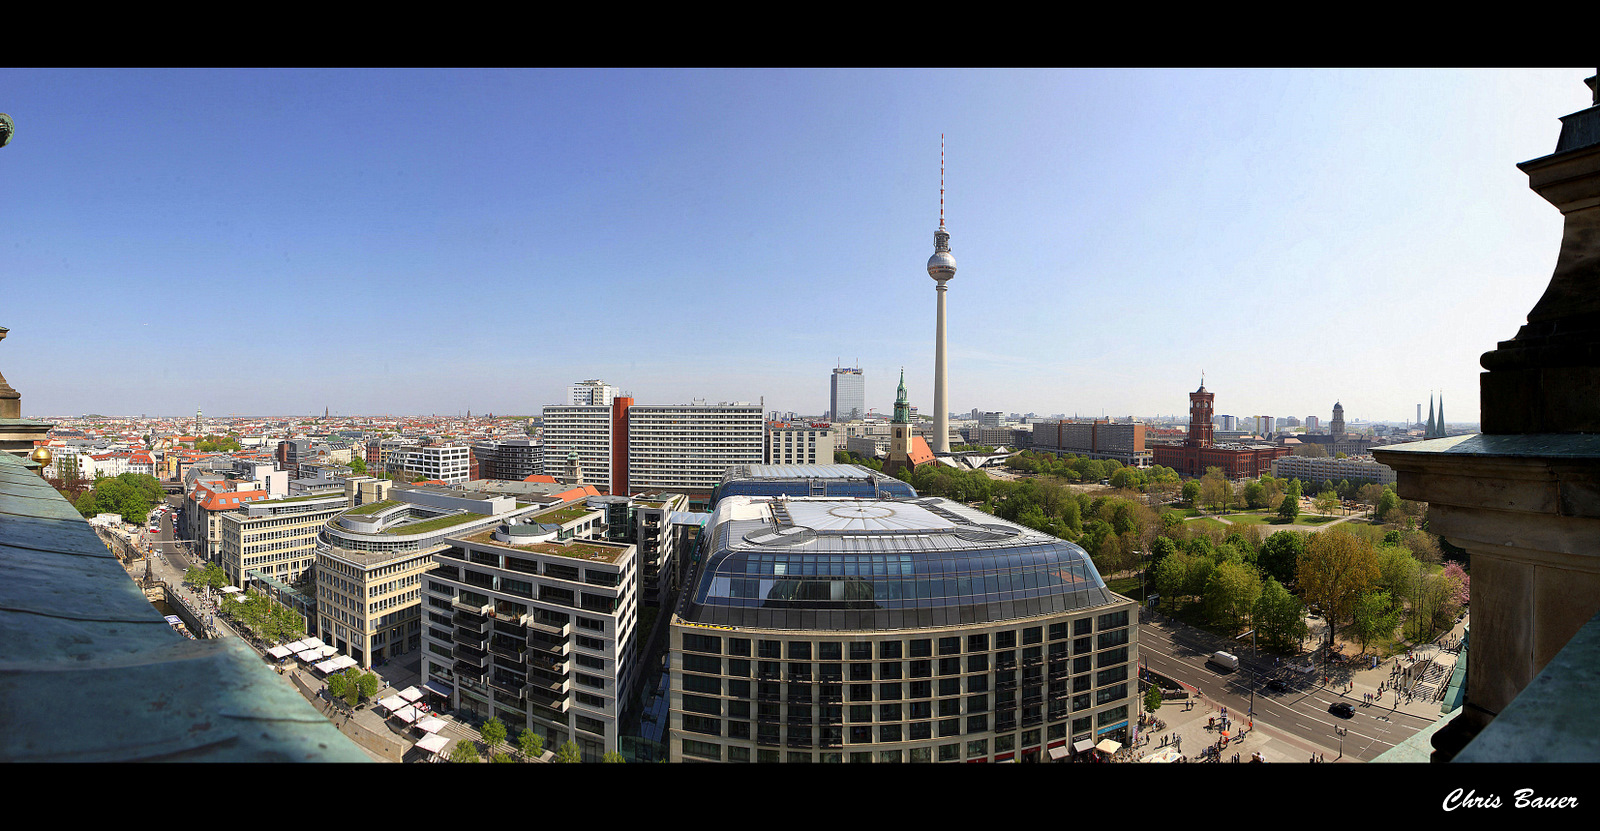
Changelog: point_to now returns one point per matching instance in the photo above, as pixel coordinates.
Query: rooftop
(75, 631)
(576, 550)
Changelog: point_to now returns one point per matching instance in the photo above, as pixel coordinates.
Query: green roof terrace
(600, 552)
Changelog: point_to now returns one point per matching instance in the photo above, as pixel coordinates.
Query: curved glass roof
(869, 564)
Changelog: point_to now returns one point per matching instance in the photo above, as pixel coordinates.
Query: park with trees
(1379, 581)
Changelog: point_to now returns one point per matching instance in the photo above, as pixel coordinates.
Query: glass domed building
(912, 630)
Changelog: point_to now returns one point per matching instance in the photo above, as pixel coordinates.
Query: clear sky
(421, 241)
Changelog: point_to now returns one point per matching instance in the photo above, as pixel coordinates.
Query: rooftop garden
(562, 516)
(575, 550)
(435, 524)
(372, 507)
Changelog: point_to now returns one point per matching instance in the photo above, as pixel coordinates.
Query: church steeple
(1430, 433)
(902, 407)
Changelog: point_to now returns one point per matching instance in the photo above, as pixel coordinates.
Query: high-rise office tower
(592, 393)
(847, 394)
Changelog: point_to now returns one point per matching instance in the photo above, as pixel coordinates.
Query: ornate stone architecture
(1524, 496)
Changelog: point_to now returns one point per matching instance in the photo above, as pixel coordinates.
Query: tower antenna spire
(941, 180)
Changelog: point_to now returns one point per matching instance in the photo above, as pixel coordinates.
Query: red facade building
(1198, 452)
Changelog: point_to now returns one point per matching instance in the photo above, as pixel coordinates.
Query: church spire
(1429, 433)
(902, 407)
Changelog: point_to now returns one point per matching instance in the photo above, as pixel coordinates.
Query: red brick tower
(619, 445)
(1199, 417)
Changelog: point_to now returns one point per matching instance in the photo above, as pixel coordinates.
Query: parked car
(1342, 709)
(1276, 685)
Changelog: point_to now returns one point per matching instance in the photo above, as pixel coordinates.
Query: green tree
(1373, 618)
(612, 757)
(1231, 594)
(569, 753)
(358, 465)
(531, 744)
(1279, 555)
(501, 757)
(1387, 503)
(1335, 570)
(1171, 577)
(1279, 616)
(1191, 492)
(1152, 699)
(1326, 502)
(1290, 509)
(493, 732)
(1255, 495)
(464, 752)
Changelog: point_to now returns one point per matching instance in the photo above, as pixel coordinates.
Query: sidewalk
(1350, 681)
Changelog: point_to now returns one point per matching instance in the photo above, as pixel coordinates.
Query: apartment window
(921, 648)
(949, 646)
(889, 650)
(829, 651)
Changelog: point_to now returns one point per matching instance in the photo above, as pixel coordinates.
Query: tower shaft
(941, 400)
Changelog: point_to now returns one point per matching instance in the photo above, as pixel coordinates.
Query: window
(1114, 620)
(1116, 637)
(949, 752)
(921, 669)
(977, 643)
(889, 650)
(921, 648)
(829, 651)
(860, 692)
(1082, 645)
(770, 649)
(1110, 694)
(799, 650)
(696, 724)
(1005, 640)
(702, 750)
(888, 692)
(949, 646)
(860, 651)
(949, 727)
(737, 646)
(949, 666)
(1112, 656)
(888, 712)
(1080, 627)
(1058, 631)
(920, 689)
(949, 686)
(978, 663)
(1033, 634)
(889, 670)
(1080, 664)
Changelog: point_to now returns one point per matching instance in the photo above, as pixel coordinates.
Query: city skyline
(418, 241)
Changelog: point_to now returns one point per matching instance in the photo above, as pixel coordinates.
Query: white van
(1225, 660)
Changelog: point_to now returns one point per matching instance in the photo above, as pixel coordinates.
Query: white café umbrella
(407, 714)
(433, 743)
(430, 725)
(411, 693)
(392, 703)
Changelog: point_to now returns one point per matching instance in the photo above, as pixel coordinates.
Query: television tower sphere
(942, 265)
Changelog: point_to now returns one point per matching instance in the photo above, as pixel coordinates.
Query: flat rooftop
(576, 550)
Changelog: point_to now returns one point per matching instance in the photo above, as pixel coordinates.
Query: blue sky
(432, 241)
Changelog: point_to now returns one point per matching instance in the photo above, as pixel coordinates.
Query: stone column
(1524, 496)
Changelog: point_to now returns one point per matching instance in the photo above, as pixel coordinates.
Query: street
(1299, 713)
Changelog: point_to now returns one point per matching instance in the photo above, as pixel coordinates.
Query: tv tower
(941, 267)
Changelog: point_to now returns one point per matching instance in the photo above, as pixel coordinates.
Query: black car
(1276, 685)
(1343, 709)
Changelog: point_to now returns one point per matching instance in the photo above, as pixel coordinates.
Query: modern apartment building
(275, 539)
(532, 623)
(685, 448)
(450, 463)
(577, 443)
(509, 459)
(1097, 439)
(827, 630)
(372, 557)
(1323, 469)
(798, 444)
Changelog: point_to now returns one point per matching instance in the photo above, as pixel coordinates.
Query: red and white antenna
(941, 180)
